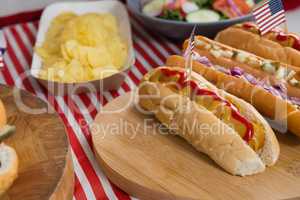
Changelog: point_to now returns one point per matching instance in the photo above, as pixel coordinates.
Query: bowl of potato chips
(83, 46)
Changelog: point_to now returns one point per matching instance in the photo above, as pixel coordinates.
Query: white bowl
(113, 7)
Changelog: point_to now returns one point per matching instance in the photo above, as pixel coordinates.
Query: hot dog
(275, 45)
(268, 100)
(229, 130)
(278, 74)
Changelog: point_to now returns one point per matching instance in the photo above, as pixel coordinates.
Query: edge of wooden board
(65, 188)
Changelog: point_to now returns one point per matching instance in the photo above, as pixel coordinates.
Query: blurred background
(13, 11)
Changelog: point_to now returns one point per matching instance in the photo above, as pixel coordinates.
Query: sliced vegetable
(232, 8)
(236, 71)
(154, 8)
(202, 59)
(294, 82)
(295, 100)
(284, 73)
(250, 78)
(208, 46)
(6, 131)
(222, 69)
(189, 7)
(216, 53)
(241, 56)
(203, 15)
(254, 61)
(197, 10)
(227, 54)
(281, 73)
(278, 90)
(268, 67)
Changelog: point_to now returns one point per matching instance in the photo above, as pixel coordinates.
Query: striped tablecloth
(77, 111)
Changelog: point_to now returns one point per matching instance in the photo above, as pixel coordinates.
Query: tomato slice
(232, 8)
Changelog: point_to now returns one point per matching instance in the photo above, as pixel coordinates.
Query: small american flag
(188, 54)
(1, 58)
(2, 48)
(269, 15)
(191, 45)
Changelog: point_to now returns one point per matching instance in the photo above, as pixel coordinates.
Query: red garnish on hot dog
(201, 92)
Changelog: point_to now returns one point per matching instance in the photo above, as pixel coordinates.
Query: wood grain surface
(45, 166)
(143, 160)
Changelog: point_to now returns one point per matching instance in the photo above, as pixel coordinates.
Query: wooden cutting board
(45, 165)
(149, 164)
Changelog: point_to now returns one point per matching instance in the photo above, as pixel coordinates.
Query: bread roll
(266, 103)
(264, 46)
(218, 140)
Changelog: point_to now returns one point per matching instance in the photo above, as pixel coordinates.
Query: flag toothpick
(189, 59)
(269, 15)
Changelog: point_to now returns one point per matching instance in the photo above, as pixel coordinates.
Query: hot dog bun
(2, 115)
(275, 72)
(223, 143)
(275, 45)
(8, 156)
(8, 168)
(273, 107)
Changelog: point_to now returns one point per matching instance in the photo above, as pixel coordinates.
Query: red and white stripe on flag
(269, 15)
(1, 61)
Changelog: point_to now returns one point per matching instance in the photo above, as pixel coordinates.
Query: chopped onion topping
(202, 59)
(236, 71)
(278, 90)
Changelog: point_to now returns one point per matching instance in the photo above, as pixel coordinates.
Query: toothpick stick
(189, 60)
(285, 27)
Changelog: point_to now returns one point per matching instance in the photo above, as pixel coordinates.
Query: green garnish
(223, 16)
(172, 15)
(204, 3)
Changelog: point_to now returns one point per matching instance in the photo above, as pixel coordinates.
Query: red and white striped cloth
(150, 50)
(78, 110)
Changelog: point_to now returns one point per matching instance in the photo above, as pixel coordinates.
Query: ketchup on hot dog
(280, 35)
(200, 91)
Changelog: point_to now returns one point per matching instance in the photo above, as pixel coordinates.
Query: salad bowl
(179, 30)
